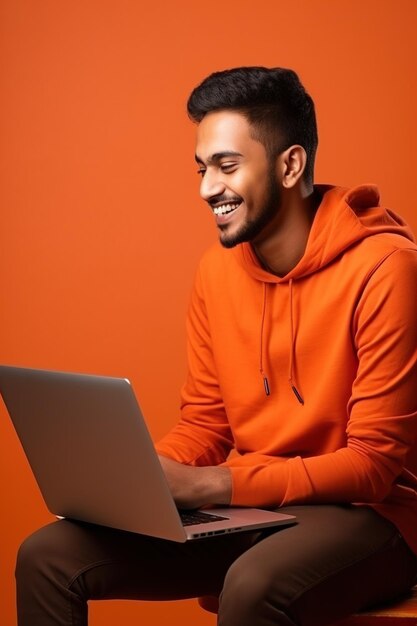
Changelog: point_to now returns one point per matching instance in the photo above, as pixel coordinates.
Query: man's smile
(224, 209)
(222, 205)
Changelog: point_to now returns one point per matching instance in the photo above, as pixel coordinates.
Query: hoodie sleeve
(202, 436)
(382, 409)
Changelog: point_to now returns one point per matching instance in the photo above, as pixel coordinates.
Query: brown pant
(335, 561)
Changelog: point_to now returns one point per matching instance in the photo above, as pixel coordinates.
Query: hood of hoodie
(343, 218)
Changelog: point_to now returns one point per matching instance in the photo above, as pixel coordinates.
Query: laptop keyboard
(198, 517)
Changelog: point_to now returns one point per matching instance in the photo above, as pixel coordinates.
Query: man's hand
(193, 487)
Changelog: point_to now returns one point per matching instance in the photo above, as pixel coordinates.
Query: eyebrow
(217, 156)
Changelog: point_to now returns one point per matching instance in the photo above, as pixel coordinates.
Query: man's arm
(202, 439)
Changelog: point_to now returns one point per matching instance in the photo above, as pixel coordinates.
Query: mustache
(223, 199)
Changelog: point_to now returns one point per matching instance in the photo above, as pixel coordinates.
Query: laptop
(94, 461)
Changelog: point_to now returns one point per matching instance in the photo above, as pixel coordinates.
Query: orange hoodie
(311, 377)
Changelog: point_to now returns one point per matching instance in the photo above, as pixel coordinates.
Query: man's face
(238, 180)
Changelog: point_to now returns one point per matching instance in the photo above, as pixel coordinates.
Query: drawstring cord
(291, 374)
(261, 369)
(292, 349)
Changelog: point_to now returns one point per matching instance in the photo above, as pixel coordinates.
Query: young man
(302, 349)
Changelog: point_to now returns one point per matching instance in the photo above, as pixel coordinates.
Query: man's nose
(211, 185)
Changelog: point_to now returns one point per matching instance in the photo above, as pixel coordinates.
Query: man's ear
(291, 165)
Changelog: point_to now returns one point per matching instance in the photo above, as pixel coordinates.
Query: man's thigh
(335, 561)
(97, 562)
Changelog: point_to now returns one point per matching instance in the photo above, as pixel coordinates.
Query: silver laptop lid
(63, 422)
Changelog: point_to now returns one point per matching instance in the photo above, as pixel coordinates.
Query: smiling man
(302, 359)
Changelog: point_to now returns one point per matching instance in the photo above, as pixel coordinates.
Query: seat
(402, 612)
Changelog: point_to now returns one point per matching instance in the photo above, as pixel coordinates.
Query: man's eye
(227, 167)
(201, 172)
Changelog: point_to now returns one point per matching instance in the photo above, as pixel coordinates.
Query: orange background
(101, 223)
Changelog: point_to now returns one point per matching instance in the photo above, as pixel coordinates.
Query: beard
(253, 227)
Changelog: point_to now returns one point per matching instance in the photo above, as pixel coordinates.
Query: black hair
(273, 100)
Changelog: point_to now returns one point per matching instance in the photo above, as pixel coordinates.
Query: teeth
(225, 208)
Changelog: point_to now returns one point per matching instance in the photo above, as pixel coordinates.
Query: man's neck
(282, 246)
